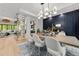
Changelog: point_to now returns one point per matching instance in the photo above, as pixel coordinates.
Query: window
(4, 27)
(0, 27)
(9, 27)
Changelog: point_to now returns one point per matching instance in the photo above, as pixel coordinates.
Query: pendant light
(46, 12)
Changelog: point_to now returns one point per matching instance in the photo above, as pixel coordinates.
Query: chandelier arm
(48, 8)
(48, 12)
(43, 9)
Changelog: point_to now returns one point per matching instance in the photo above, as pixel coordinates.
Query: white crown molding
(27, 13)
(69, 8)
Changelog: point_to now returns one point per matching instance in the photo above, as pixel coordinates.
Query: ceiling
(10, 9)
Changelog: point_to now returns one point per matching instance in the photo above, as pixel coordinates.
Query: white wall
(28, 27)
(40, 24)
(29, 17)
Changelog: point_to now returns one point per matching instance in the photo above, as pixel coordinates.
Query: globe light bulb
(50, 16)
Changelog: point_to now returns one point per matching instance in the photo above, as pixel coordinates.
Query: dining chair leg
(39, 51)
(48, 54)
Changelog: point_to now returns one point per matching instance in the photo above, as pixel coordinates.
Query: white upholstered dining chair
(29, 38)
(38, 42)
(54, 47)
(26, 47)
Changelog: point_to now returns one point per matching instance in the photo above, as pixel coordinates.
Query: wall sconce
(58, 25)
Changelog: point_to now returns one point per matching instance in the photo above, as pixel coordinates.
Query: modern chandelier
(46, 12)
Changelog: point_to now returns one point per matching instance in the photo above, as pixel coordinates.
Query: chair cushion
(56, 53)
(39, 44)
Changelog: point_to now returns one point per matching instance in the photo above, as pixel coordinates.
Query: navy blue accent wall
(69, 22)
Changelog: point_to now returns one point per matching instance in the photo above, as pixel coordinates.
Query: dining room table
(69, 40)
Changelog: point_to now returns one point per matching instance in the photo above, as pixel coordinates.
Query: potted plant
(38, 30)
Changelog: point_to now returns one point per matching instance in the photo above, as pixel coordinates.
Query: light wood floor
(9, 46)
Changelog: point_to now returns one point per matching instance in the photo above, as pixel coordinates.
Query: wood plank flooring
(9, 46)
